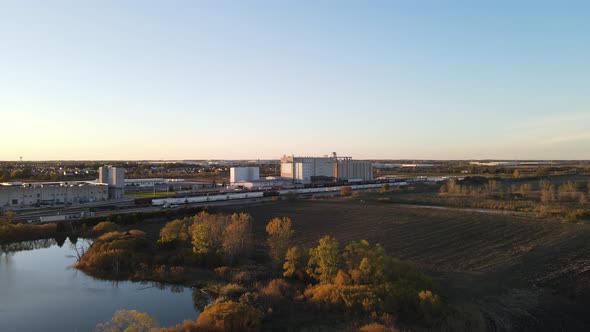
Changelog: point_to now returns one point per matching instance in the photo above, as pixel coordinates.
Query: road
(125, 207)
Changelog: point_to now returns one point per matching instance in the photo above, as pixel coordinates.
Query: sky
(253, 79)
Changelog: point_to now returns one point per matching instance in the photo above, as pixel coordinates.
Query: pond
(40, 291)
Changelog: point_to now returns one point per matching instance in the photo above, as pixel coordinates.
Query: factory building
(239, 174)
(349, 169)
(20, 195)
(114, 177)
(312, 169)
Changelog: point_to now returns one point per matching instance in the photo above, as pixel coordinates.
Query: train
(260, 194)
(64, 217)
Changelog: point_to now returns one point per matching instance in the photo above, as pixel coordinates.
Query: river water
(40, 291)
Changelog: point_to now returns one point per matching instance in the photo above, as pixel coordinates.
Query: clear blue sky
(259, 79)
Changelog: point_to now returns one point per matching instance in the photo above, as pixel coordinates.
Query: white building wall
(237, 174)
(302, 169)
(30, 195)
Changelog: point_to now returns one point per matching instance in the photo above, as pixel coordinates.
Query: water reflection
(37, 277)
(7, 249)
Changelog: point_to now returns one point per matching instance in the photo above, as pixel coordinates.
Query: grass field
(151, 194)
(522, 273)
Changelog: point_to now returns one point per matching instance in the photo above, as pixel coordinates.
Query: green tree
(365, 263)
(294, 266)
(324, 260)
(200, 239)
(385, 188)
(280, 233)
(176, 231)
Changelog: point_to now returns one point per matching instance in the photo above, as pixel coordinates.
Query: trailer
(64, 217)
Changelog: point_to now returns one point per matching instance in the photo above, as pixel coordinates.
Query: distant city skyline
(152, 80)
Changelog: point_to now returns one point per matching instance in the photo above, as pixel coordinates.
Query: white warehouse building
(238, 174)
(307, 169)
(19, 195)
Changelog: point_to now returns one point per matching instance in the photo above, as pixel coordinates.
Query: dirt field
(522, 273)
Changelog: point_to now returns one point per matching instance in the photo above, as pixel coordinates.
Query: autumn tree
(230, 316)
(491, 186)
(345, 190)
(365, 263)
(176, 231)
(582, 198)
(567, 190)
(295, 263)
(453, 187)
(524, 189)
(237, 236)
(7, 217)
(324, 260)
(221, 235)
(516, 174)
(280, 233)
(547, 192)
(128, 321)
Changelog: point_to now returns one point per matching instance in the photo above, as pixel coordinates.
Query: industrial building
(238, 174)
(20, 195)
(110, 185)
(269, 182)
(329, 168)
(114, 177)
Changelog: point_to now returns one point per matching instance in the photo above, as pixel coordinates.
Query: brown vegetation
(230, 316)
(280, 234)
(10, 233)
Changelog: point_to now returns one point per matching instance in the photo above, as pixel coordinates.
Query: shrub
(325, 294)
(186, 326)
(376, 327)
(116, 254)
(23, 232)
(232, 291)
(345, 190)
(105, 227)
(222, 271)
(277, 288)
(230, 316)
(128, 320)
